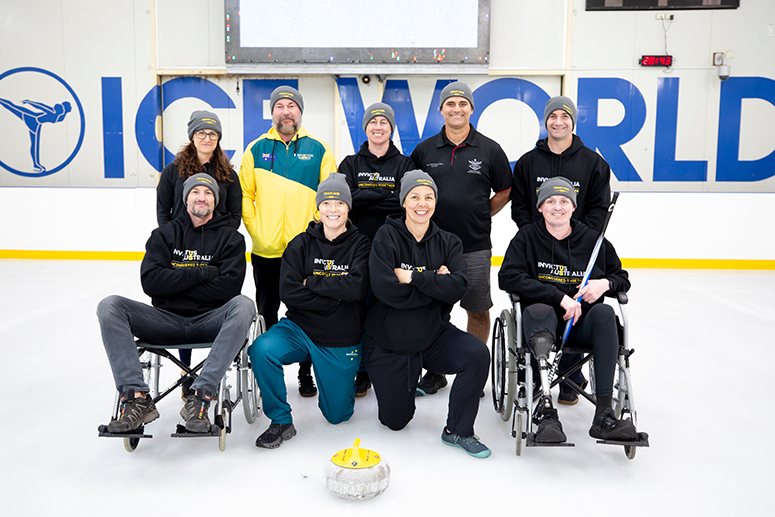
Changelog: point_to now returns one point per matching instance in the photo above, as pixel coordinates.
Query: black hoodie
(172, 273)
(409, 317)
(330, 308)
(587, 171)
(374, 184)
(541, 269)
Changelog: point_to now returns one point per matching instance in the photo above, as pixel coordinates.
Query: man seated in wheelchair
(544, 265)
(193, 270)
(324, 279)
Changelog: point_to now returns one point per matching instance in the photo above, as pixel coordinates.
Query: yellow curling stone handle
(355, 458)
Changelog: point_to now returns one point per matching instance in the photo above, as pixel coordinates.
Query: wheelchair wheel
(519, 434)
(250, 396)
(503, 366)
(130, 444)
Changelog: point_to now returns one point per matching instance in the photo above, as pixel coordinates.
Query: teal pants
(335, 369)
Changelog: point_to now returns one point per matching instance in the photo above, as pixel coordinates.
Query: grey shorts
(477, 297)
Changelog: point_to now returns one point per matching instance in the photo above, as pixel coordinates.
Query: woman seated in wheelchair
(417, 274)
(323, 283)
(544, 265)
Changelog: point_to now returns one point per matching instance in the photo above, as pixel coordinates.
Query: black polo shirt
(465, 175)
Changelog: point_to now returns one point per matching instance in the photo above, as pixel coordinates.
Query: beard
(285, 128)
(200, 211)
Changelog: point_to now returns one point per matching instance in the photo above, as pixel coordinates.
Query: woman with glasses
(203, 153)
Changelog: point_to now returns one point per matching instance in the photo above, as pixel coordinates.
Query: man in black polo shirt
(466, 166)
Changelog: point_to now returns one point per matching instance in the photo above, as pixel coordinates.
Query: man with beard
(193, 270)
(279, 174)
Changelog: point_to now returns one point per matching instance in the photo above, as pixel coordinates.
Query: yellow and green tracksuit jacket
(279, 184)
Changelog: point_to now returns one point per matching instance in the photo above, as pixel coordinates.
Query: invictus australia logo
(410, 267)
(47, 118)
(375, 176)
(191, 256)
(374, 179)
(558, 273)
(474, 167)
(329, 267)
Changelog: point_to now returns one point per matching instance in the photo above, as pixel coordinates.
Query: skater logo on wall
(45, 129)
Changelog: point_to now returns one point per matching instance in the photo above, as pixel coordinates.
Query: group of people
(369, 258)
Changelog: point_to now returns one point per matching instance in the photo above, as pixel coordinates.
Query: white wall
(87, 41)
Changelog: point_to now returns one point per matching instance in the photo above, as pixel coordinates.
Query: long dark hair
(188, 162)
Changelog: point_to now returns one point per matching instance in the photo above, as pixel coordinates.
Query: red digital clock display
(656, 61)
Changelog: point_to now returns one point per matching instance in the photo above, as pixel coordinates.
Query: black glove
(208, 272)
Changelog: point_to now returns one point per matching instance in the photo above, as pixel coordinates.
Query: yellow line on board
(634, 263)
(630, 263)
(71, 255)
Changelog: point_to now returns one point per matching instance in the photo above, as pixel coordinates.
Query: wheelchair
(512, 379)
(245, 387)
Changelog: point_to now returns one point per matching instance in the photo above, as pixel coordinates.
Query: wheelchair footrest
(531, 442)
(181, 432)
(137, 433)
(642, 441)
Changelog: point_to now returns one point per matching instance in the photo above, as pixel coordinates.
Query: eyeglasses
(201, 134)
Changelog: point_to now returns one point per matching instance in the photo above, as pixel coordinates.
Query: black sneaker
(307, 385)
(430, 384)
(274, 436)
(568, 395)
(362, 384)
(135, 411)
(605, 426)
(550, 430)
(194, 411)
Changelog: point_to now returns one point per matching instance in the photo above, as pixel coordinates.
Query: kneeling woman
(323, 283)
(417, 274)
(544, 265)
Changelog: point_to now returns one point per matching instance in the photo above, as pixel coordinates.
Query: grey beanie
(197, 180)
(202, 119)
(286, 92)
(334, 187)
(560, 103)
(457, 89)
(416, 178)
(379, 109)
(557, 186)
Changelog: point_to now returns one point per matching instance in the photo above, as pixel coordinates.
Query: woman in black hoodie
(374, 174)
(323, 282)
(417, 274)
(544, 265)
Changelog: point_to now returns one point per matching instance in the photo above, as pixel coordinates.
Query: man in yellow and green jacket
(279, 174)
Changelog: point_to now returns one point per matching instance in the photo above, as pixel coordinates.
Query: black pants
(595, 330)
(395, 377)
(266, 275)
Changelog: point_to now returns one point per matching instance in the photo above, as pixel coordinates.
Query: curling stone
(357, 474)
